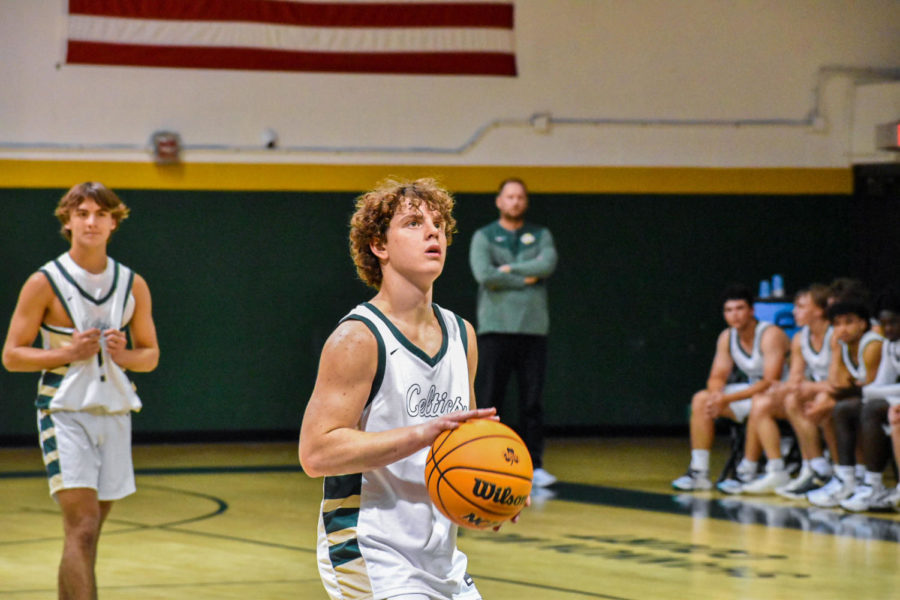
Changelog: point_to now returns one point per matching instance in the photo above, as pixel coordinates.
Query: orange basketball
(479, 474)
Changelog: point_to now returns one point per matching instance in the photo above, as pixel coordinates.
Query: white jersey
(817, 361)
(855, 364)
(102, 300)
(379, 533)
(751, 365)
(886, 384)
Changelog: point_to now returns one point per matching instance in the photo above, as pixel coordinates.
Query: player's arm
(33, 303)
(143, 356)
(840, 380)
(330, 440)
(885, 382)
(774, 346)
(722, 365)
(797, 364)
(872, 359)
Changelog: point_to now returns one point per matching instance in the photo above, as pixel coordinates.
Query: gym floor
(219, 521)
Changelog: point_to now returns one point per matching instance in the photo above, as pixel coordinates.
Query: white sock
(845, 473)
(874, 479)
(700, 460)
(859, 471)
(747, 466)
(775, 464)
(821, 466)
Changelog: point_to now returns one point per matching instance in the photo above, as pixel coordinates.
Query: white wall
(737, 83)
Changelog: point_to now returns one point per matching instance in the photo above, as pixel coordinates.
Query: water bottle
(777, 286)
(764, 290)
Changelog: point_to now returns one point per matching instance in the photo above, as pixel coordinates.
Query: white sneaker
(542, 478)
(859, 501)
(730, 486)
(832, 493)
(540, 495)
(693, 480)
(767, 483)
(867, 497)
(807, 481)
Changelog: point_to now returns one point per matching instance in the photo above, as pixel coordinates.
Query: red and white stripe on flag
(439, 37)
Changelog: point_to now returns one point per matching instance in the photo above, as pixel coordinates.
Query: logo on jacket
(527, 238)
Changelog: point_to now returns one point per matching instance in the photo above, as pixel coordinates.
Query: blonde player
(396, 372)
(81, 303)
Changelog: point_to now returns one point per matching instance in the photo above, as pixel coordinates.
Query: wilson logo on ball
(494, 493)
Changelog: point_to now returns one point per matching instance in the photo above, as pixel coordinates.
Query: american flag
(440, 37)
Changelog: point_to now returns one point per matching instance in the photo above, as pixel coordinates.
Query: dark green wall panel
(247, 286)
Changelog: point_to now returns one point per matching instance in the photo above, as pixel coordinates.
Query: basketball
(479, 474)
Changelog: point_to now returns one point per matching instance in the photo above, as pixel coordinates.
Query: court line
(822, 521)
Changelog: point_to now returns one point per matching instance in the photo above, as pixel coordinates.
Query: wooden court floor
(222, 521)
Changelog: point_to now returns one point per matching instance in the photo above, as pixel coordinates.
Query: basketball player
(756, 349)
(810, 359)
(85, 305)
(877, 397)
(860, 351)
(396, 372)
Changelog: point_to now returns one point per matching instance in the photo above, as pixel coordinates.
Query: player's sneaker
(693, 480)
(832, 493)
(807, 481)
(768, 482)
(736, 485)
(541, 478)
(874, 498)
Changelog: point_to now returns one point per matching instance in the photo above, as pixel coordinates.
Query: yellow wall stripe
(356, 178)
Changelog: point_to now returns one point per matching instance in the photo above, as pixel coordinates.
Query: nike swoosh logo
(394, 350)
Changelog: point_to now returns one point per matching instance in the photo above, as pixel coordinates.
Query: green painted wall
(247, 286)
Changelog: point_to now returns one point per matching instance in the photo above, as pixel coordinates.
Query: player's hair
(849, 305)
(512, 180)
(374, 211)
(737, 291)
(847, 286)
(99, 193)
(818, 293)
(888, 299)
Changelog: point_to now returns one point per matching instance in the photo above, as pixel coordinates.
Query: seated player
(860, 356)
(877, 397)
(758, 350)
(810, 359)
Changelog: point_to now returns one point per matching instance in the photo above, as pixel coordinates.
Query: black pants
(499, 354)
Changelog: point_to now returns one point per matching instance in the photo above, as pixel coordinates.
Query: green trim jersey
(817, 361)
(103, 300)
(856, 365)
(751, 365)
(886, 384)
(379, 534)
